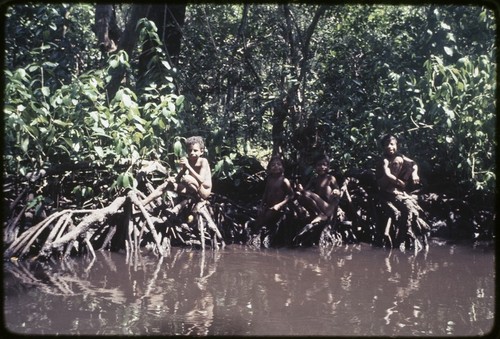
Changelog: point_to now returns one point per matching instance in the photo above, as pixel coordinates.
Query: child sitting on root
(195, 180)
(277, 193)
(195, 177)
(395, 172)
(321, 195)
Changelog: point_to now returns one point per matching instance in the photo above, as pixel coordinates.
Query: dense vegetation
(252, 80)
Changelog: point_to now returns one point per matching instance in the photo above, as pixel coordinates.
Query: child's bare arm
(414, 175)
(287, 187)
(206, 174)
(335, 187)
(392, 178)
(204, 177)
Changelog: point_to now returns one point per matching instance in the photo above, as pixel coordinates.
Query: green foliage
(57, 33)
(435, 90)
(425, 73)
(76, 124)
(455, 114)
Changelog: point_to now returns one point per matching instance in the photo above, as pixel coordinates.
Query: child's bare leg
(190, 182)
(309, 203)
(324, 210)
(330, 210)
(204, 192)
(266, 218)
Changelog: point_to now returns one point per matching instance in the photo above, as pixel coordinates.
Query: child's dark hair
(195, 140)
(386, 138)
(322, 158)
(276, 157)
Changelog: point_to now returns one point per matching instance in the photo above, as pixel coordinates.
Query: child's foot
(319, 219)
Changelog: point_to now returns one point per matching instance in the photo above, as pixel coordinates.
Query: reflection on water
(352, 290)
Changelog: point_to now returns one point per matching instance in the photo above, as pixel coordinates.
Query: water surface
(354, 290)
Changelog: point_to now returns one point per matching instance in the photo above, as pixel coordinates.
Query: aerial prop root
(63, 232)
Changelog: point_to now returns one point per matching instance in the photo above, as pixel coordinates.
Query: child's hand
(275, 207)
(415, 178)
(400, 183)
(183, 161)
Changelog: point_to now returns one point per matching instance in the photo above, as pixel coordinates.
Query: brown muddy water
(354, 290)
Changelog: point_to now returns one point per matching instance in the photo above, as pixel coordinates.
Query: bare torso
(277, 189)
(324, 185)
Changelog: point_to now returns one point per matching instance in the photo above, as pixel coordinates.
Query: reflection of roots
(201, 316)
(66, 283)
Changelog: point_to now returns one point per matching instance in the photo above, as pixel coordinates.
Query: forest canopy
(102, 87)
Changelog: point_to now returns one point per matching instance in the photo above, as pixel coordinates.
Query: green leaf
(180, 100)
(126, 100)
(61, 123)
(99, 151)
(126, 181)
(178, 149)
(166, 64)
(445, 26)
(45, 91)
(24, 144)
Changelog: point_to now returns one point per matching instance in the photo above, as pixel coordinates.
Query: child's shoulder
(202, 161)
(331, 176)
(406, 159)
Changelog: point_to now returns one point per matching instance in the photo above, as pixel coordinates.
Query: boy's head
(195, 140)
(389, 143)
(195, 146)
(322, 164)
(276, 165)
(388, 138)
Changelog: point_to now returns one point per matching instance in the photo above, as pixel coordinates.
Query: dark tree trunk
(280, 112)
(299, 53)
(172, 31)
(106, 28)
(127, 44)
(169, 20)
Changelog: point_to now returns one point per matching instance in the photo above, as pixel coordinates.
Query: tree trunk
(127, 44)
(169, 20)
(106, 28)
(298, 56)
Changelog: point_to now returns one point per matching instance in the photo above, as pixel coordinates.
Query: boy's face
(275, 167)
(391, 147)
(194, 151)
(321, 167)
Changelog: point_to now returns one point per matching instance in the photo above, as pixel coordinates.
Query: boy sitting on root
(195, 177)
(277, 193)
(321, 195)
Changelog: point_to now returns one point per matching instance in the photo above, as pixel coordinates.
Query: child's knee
(190, 181)
(204, 193)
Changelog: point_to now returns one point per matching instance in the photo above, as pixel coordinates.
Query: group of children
(320, 197)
